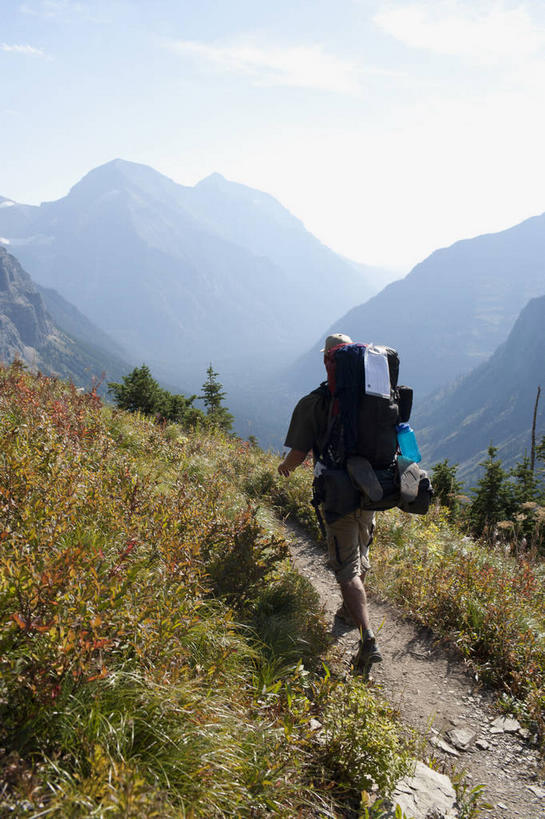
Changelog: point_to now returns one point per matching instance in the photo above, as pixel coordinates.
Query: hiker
(348, 537)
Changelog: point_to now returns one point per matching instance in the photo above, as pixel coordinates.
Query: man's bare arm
(293, 459)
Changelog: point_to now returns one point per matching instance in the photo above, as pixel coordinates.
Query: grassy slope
(158, 656)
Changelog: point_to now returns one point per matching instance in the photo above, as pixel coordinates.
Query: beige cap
(334, 340)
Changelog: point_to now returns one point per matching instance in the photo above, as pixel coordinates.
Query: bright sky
(389, 128)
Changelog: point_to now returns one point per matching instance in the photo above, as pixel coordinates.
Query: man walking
(348, 537)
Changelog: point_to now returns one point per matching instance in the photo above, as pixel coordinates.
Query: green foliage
(525, 485)
(446, 486)
(489, 603)
(470, 799)
(362, 742)
(151, 632)
(505, 507)
(213, 395)
(289, 496)
(492, 499)
(540, 453)
(140, 392)
(287, 620)
(240, 572)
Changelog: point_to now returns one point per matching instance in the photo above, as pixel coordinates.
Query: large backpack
(362, 420)
(359, 463)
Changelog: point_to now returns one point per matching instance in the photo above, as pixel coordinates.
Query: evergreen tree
(180, 410)
(139, 391)
(492, 500)
(445, 485)
(525, 483)
(540, 471)
(525, 491)
(213, 395)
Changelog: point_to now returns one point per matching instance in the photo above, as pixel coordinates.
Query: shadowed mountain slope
(451, 311)
(492, 404)
(28, 332)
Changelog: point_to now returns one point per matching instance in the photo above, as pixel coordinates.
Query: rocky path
(435, 693)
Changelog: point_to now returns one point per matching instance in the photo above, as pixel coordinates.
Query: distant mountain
(28, 332)
(451, 311)
(73, 322)
(183, 276)
(258, 222)
(492, 404)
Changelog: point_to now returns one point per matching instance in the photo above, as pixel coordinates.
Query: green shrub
(362, 744)
(287, 618)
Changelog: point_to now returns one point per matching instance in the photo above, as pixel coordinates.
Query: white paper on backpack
(377, 374)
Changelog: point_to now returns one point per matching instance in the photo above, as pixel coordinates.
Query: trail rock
(461, 738)
(444, 746)
(505, 725)
(425, 794)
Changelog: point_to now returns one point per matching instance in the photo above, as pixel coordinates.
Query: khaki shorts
(348, 541)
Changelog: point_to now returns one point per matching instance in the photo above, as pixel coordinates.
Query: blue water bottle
(407, 442)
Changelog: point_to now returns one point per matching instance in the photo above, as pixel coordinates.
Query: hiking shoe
(368, 653)
(343, 614)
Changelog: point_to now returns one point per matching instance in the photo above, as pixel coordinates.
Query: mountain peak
(214, 177)
(121, 174)
(215, 181)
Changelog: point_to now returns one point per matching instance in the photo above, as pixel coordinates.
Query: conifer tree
(525, 483)
(446, 487)
(213, 395)
(492, 500)
(540, 471)
(139, 391)
(525, 493)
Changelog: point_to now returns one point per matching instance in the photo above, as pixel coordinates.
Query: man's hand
(293, 459)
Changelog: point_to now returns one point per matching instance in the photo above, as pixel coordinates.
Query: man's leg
(355, 600)
(355, 596)
(348, 544)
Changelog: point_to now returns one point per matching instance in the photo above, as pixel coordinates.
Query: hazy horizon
(390, 129)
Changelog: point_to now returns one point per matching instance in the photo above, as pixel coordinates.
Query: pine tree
(445, 485)
(492, 500)
(139, 391)
(213, 395)
(525, 483)
(525, 491)
(540, 471)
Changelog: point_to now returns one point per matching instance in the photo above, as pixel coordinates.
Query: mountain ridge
(494, 403)
(163, 268)
(28, 332)
(452, 310)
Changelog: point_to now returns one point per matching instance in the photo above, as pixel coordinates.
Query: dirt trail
(431, 687)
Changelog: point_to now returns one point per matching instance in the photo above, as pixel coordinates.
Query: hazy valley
(136, 268)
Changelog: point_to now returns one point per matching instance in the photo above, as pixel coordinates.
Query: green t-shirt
(309, 421)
